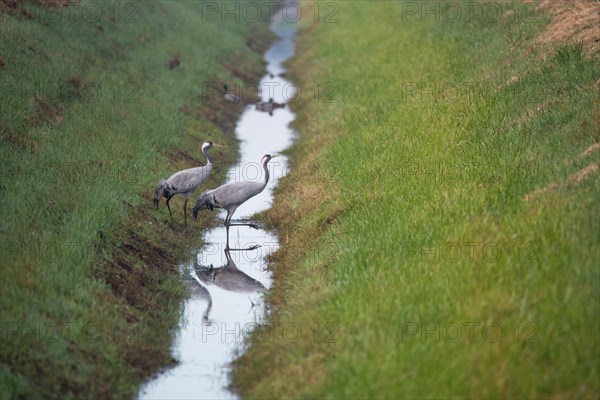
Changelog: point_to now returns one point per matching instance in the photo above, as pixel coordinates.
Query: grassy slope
(91, 118)
(406, 215)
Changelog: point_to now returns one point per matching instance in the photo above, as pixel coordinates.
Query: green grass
(91, 119)
(407, 218)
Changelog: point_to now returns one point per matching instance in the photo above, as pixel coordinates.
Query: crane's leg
(227, 222)
(253, 247)
(169, 207)
(185, 212)
(251, 225)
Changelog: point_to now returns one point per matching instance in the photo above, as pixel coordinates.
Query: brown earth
(573, 22)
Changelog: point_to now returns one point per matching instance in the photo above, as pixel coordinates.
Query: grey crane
(231, 195)
(269, 106)
(184, 182)
(229, 277)
(199, 292)
(230, 97)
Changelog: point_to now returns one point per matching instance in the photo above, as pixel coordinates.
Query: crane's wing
(234, 194)
(234, 280)
(189, 179)
(227, 196)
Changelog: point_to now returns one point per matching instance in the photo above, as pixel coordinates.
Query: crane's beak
(217, 145)
(276, 155)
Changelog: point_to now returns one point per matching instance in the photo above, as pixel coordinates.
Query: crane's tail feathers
(203, 203)
(163, 189)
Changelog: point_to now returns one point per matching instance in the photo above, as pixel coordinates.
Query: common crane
(231, 195)
(184, 182)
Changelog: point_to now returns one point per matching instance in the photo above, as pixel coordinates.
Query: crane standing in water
(184, 182)
(269, 106)
(229, 96)
(230, 196)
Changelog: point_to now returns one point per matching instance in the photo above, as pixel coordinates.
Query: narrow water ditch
(227, 287)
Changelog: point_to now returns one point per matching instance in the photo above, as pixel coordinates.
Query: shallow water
(226, 300)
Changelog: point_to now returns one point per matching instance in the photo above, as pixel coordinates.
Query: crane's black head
(267, 157)
(209, 144)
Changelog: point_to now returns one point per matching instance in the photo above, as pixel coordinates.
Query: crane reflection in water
(227, 277)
